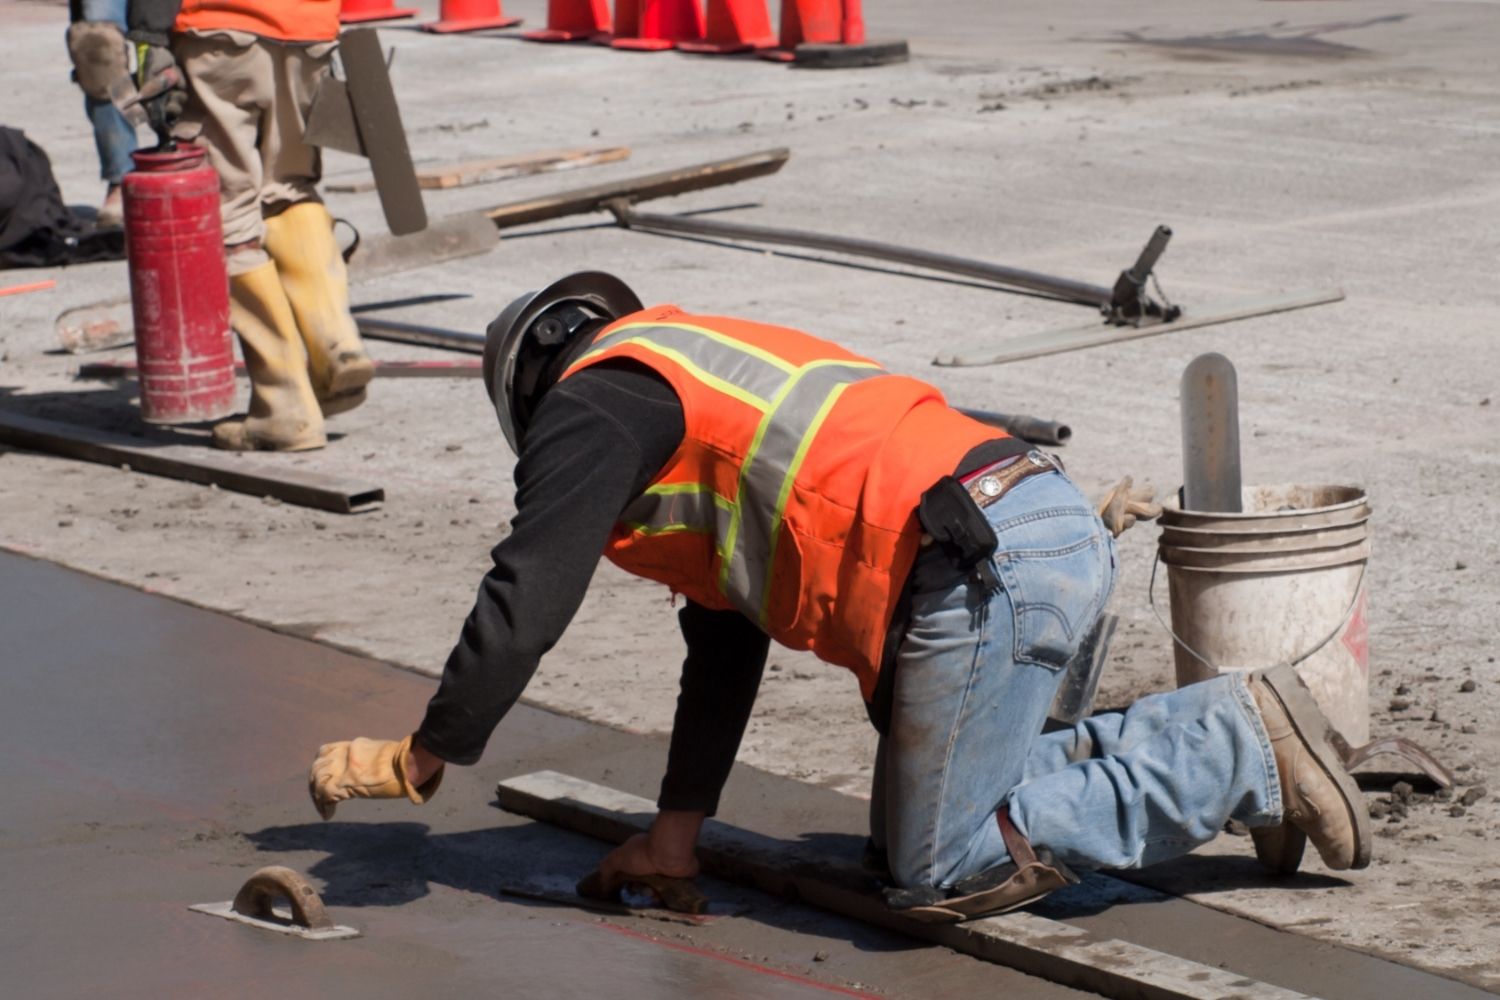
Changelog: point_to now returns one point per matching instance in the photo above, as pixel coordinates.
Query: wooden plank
(658, 185)
(230, 472)
(1035, 945)
(443, 176)
(462, 234)
(1037, 345)
(381, 134)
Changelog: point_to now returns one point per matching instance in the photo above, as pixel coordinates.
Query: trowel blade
(1210, 435)
(284, 925)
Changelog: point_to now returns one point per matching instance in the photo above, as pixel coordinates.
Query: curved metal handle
(1344, 620)
(276, 882)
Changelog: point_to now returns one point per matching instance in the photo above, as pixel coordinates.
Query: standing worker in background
(251, 69)
(792, 490)
(100, 54)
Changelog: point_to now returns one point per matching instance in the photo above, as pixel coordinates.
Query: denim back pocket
(1057, 568)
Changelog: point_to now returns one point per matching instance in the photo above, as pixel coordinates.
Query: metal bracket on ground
(254, 905)
(1047, 948)
(175, 461)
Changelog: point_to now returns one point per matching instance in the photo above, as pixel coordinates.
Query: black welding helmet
(538, 335)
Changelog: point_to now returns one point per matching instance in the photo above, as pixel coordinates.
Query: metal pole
(1061, 288)
(1033, 430)
(419, 333)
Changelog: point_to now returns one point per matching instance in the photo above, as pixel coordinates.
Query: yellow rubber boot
(300, 241)
(284, 414)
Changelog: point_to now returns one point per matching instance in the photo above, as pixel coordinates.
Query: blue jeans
(114, 137)
(976, 675)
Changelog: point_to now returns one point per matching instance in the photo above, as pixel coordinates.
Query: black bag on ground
(36, 228)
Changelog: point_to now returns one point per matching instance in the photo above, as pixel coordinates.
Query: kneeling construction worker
(792, 490)
(251, 68)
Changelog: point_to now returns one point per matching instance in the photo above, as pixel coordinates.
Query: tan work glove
(364, 769)
(1124, 505)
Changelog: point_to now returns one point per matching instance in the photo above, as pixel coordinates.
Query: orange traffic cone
(572, 20)
(360, 11)
(816, 21)
(652, 25)
(469, 15)
(830, 34)
(735, 26)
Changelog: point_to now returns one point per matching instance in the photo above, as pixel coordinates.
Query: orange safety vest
(281, 20)
(793, 495)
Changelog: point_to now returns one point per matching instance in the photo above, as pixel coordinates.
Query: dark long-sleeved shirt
(594, 444)
(596, 441)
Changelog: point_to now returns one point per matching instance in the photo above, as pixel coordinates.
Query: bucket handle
(1348, 613)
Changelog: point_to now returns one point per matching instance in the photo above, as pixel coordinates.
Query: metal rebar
(1062, 288)
(419, 333)
(1033, 430)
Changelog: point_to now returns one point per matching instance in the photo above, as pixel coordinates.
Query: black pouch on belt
(962, 543)
(961, 530)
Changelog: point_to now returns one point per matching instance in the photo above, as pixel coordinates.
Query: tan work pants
(250, 98)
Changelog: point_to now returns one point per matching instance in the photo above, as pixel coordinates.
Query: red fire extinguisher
(179, 288)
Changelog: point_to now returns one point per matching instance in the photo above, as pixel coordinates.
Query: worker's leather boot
(1279, 848)
(1319, 799)
(1029, 875)
(284, 413)
(300, 241)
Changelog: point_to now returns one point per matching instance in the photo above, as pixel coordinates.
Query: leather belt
(992, 482)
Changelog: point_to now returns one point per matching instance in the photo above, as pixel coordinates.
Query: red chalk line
(752, 966)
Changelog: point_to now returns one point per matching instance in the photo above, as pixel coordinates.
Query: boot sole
(347, 379)
(1312, 726)
(342, 403)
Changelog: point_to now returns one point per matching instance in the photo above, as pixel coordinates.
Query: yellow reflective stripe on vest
(794, 401)
(747, 373)
(770, 467)
(678, 507)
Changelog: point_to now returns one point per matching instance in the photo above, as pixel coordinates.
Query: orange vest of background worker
(774, 482)
(281, 20)
(251, 68)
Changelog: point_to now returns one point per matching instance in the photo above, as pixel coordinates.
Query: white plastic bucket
(1283, 582)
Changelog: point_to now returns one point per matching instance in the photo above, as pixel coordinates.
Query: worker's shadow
(388, 864)
(391, 864)
(394, 863)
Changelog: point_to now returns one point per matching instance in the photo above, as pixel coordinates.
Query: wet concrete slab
(160, 755)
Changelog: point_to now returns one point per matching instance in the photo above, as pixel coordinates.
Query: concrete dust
(1276, 172)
